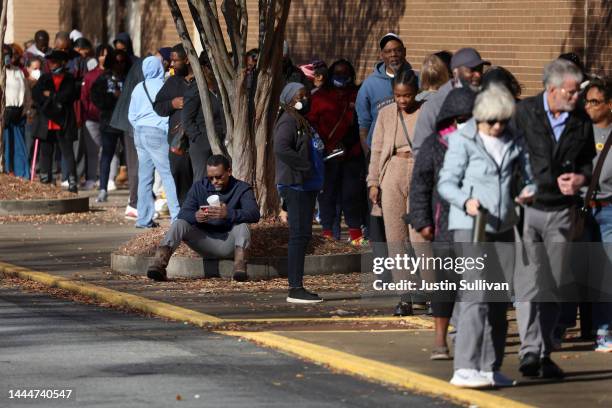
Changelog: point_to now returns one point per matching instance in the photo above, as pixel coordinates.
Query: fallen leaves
(15, 188)
(269, 238)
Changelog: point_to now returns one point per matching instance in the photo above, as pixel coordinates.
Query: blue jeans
(15, 152)
(602, 311)
(152, 148)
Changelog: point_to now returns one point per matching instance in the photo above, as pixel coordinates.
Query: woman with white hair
(477, 176)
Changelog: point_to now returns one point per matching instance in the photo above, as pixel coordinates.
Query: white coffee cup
(214, 201)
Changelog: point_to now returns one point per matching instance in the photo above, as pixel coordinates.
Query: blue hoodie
(375, 92)
(141, 111)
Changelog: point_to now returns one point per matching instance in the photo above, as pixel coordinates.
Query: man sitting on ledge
(212, 221)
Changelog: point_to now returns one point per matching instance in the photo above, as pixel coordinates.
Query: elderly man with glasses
(560, 144)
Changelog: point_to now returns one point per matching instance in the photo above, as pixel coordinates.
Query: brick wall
(33, 15)
(520, 35)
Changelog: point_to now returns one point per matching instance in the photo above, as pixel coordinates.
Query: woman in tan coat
(390, 170)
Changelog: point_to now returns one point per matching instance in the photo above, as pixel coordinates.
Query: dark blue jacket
(238, 196)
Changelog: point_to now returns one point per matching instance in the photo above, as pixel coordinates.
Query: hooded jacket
(470, 172)
(238, 196)
(127, 40)
(375, 93)
(141, 112)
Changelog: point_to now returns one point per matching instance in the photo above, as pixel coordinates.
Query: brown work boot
(157, 270)
(240, 273)
(122, 176)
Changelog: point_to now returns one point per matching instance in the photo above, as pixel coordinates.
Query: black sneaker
(550, 369)
(530, 365)
(301, 295)
(403, 309)
(153, 224)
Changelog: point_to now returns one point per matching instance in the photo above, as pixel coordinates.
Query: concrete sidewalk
(340, 330)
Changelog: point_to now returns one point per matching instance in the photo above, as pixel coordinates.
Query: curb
(167, 310)
(39, 207)
(258, 268)
(112, 296)
(375, 371)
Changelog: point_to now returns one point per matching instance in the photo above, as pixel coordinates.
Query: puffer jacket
(470, 172)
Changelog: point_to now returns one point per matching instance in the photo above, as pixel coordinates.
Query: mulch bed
(15, 188)
(269, 238)
(95, 216)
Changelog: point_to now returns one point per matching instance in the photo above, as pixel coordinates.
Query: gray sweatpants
(546, 235)
(207, 244)
(481, 325)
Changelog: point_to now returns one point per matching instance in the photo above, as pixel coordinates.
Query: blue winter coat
(470, 172)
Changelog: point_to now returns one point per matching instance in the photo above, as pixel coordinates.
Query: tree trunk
(181, 28)
(249, 134)
(2, 80)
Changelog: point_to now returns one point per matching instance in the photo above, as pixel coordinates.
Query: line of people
(438, 153)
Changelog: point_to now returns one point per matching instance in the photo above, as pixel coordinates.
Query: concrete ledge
(258, 268)
(37, 207)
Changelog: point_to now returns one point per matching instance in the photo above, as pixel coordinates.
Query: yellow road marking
(112, 296)
(376, 371)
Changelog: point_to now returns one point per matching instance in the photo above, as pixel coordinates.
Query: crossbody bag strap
(597, 172)
(405, 128)
(333, 131)
(144, 85)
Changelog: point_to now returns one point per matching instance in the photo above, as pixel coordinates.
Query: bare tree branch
(221, 75)
(181, 28)
(232, 20)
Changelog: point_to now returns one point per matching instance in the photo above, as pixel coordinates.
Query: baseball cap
(467, 57)
(389, 37)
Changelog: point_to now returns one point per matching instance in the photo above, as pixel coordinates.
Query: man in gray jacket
(467, 67)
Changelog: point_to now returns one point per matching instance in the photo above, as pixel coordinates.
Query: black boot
(46, 178)
(73, 185)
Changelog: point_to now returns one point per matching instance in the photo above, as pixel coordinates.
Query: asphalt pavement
(114, 359)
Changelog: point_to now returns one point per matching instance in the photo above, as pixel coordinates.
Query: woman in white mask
(17, 98)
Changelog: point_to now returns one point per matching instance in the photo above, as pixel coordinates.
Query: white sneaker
(131, 213)
(65, 184)
(469, 378)
(497, 379)
(102, 197)
(89, 185)
(111, 186)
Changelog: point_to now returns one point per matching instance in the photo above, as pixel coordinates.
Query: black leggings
(46, 154)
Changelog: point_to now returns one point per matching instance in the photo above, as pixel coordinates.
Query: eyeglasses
(501, 122)
(594, 102)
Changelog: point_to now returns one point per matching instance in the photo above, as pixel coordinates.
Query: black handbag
(179, 143)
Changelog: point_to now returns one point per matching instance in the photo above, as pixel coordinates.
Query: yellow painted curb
(112, 296)
(175, 312)
(413, 320)
(377, 371)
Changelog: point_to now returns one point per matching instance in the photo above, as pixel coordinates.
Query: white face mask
(35, 74)
(461, 125)
(298, 106)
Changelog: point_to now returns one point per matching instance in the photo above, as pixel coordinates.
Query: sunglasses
(501, 122)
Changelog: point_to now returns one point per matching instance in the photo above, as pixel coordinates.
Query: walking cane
(32, 171)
